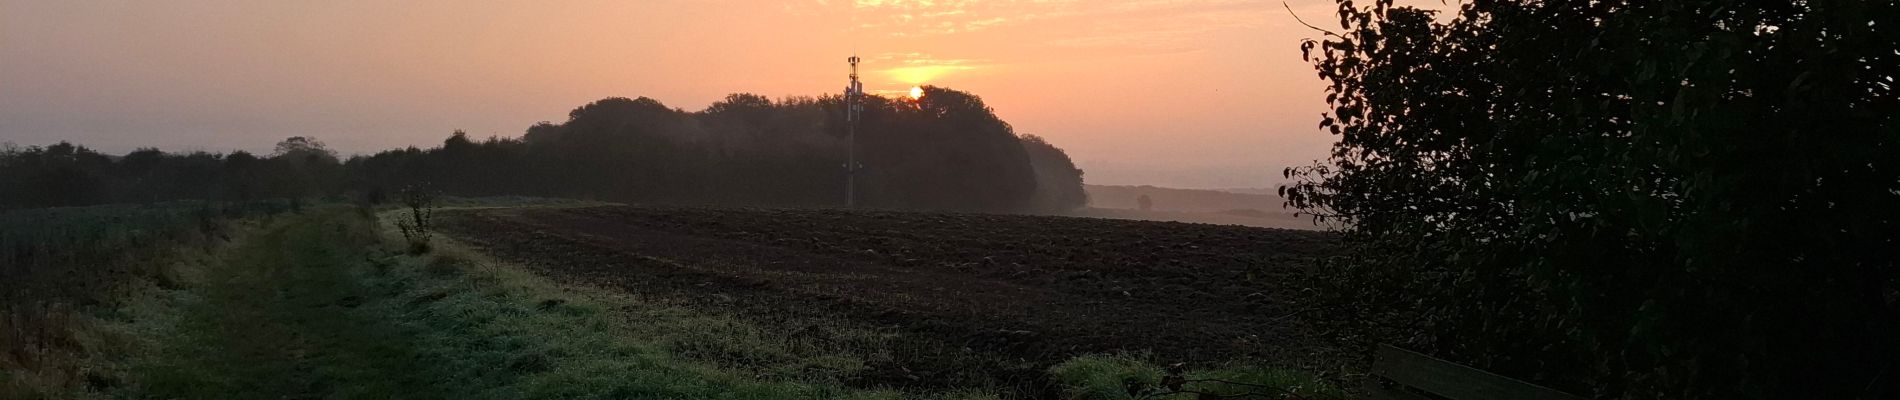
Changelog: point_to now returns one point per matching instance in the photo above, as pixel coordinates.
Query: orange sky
(1188, 93)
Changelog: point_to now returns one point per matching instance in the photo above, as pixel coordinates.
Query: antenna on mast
(854, 105)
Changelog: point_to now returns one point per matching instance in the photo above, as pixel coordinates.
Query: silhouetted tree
(1058, 181)
(302, 149)
(300, 167)
(1631, 199)
(457, 143)
(945, 150)
(57, 175)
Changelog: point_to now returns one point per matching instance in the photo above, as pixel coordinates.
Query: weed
(418, 226)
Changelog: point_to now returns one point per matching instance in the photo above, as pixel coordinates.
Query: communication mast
(854, 105)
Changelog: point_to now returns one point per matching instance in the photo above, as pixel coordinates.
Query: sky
(1181, 93)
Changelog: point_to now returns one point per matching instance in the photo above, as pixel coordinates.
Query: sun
(916, 92)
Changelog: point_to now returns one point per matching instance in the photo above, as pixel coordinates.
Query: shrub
(417, 225)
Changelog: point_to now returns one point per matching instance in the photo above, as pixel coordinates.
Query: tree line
(943, 151)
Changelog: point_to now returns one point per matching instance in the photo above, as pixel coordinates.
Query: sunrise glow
(1100, 78)
(923, 73)
(916, 92)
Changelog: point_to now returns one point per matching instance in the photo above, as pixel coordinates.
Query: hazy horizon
(1192, 94)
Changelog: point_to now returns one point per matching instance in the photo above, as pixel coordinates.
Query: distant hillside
(1188, 200)
(1259, 207)
(1270, 191)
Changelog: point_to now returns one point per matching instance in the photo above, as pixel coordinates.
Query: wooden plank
(1454, 381)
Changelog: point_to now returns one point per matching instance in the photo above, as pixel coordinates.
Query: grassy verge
(277, 314)
(66, 273)
(324, 306)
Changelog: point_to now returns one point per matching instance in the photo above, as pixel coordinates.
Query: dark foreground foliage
(946, 150)
(1628, 199)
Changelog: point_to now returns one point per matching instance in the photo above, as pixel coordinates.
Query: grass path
(315, 306)
(278, 317)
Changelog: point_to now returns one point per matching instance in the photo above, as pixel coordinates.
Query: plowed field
(968, 298)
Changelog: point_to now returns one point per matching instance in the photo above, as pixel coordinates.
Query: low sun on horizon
(916, 92)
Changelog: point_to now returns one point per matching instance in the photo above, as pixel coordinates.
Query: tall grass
(58, 265)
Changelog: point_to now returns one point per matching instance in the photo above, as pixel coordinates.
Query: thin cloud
(919, 68)
(1179, 31)
(1143, 25)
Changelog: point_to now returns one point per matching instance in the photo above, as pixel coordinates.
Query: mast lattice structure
(854, 107)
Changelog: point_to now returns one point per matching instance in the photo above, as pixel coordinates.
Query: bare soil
(989, 300)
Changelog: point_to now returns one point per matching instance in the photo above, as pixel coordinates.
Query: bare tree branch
(1296, 17)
